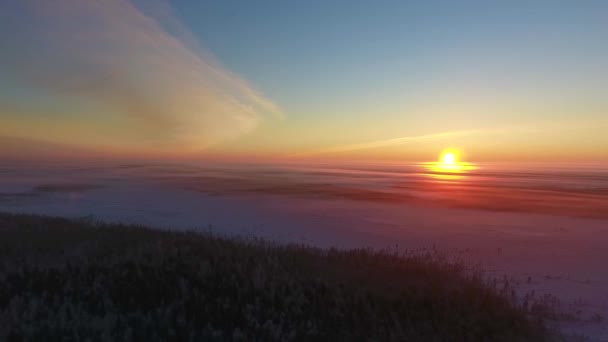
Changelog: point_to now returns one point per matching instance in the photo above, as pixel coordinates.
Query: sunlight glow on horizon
(449, 167)
(449, 158)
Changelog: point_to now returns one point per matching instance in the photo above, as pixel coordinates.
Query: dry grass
(77, 280)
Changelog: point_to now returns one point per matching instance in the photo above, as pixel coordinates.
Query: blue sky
(313, 54)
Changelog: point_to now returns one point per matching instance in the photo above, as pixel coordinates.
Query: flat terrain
(524, 232)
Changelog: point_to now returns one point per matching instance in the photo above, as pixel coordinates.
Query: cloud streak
(513, 130)
(118, 63)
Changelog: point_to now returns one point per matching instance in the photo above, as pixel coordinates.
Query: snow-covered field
(545, 229)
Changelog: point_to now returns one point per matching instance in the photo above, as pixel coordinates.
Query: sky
(313, 80)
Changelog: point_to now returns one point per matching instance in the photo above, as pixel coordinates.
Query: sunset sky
(378, 80)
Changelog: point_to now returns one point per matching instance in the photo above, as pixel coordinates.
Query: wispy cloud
(135, 65)
(508, 130)
(390, 142)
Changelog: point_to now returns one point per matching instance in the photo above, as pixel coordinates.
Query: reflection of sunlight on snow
(448, 171)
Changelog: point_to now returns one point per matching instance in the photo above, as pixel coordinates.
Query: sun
(449, 158)
(449, 166)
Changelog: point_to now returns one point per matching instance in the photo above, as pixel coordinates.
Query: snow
(540, 250)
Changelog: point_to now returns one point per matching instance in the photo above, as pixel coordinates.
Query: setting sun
(449, 158)
(449, 163)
